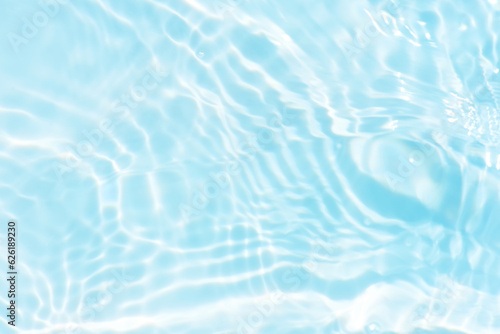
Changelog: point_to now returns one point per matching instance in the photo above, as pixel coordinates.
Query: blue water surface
(237, 166)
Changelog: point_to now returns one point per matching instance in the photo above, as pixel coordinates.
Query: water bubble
(373, 328)
(411, 241)
(420, 312)
(201, 54)
(438, 309)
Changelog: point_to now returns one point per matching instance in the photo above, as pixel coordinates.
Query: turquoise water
(235, 166)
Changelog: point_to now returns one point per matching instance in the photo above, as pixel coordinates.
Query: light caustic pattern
(239, 166)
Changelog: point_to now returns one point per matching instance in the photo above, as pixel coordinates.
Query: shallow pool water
(236, 166)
